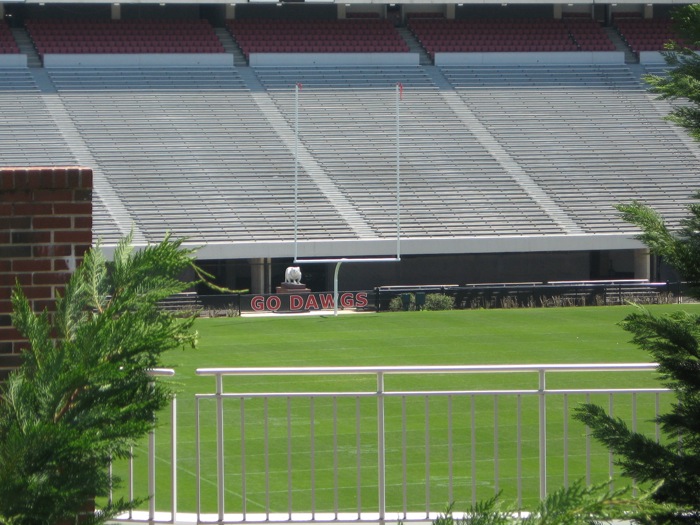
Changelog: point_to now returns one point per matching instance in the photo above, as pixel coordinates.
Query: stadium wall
(261, 276)
(475, 268)
(46, 217)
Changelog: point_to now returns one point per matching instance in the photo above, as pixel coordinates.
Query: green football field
(471, 337)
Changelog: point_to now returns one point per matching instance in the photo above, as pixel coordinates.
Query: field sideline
(517, 336)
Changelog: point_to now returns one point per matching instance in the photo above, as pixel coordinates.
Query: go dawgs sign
(304, 302)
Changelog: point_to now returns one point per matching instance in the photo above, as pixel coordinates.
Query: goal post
(338, 261)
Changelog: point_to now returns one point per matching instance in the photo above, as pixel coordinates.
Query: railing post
(220, 445)
(381, 453)
(151, 476)
(131, 480)
(542, 433)
(173, 460)
(152, 454)
(197, 463)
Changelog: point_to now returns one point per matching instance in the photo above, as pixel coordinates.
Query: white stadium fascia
(413, 246)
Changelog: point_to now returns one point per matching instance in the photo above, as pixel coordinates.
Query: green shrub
(397, 303)
(438, 301)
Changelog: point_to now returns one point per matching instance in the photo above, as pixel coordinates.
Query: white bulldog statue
(292, 275)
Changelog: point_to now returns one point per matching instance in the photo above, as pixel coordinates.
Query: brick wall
(45, 228)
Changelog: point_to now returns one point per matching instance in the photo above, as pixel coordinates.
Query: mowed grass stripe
(522, 336)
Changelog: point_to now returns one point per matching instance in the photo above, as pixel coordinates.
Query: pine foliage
(673, 341)
(680, 249)
(683, 79)
(581, 504)
(83, 394)
(577, 504)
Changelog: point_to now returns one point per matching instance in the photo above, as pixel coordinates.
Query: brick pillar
(45, 228)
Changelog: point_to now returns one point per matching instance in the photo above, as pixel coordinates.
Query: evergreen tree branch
(82, 395)
(681, 249)
(631, 449)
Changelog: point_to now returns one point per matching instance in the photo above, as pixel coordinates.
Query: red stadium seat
(126, 36)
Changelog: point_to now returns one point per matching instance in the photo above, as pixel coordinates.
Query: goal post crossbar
(347, 260)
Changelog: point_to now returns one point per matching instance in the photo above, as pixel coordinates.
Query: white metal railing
(257, 481)
(372, 479)
(152, 515)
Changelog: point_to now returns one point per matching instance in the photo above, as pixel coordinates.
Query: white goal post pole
(335, 288)
(399, 95)
(296, 166)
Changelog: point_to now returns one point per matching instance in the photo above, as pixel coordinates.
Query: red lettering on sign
(273, 303)
(361, 300)
(347, 300)
(326, 300)
(296, 302)
(257, 303)
(311, 302)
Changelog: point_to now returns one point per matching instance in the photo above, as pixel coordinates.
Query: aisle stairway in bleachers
(450, 184)
(482, 152)
(25, 46)
(414, 46)
(189, 152)
(620, 45)
(497, 150)
(115, 221)
(230, 46)
(305, 162)
(589, 136)
(28, 134)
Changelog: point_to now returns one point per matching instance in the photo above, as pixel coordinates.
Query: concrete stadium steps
(26, 47)
(189, 152)
(450, 185)
(348, 78)
(587, 135)
(17, 80)
(660, 70)
(28, 134)
(104, 227)
(150, 79)
(574, 76)
(484, 152)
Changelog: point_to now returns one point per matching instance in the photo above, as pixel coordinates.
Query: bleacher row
(203, 154)
(123, 36)
(7, 41)
(353, 35)
(646, 35)
(363, 35)
(470, 35)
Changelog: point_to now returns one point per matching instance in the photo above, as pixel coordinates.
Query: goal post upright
(297, 86)
(338, 261)
(399, 96)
